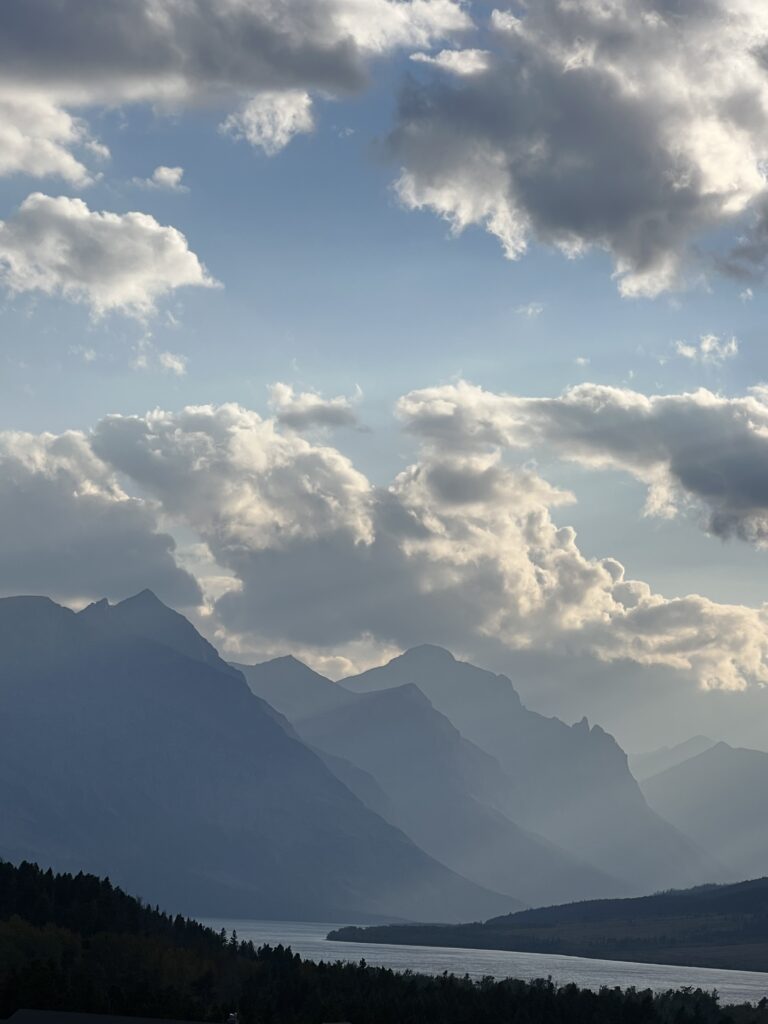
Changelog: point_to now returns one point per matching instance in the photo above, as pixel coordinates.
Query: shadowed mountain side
(122, 756)
(720, 799)
(293, 688)
(571, 784)
(709, 926)
(645, 766)
(441, 791)
(145, 615)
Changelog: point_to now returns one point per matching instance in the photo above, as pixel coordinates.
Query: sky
(346, 325)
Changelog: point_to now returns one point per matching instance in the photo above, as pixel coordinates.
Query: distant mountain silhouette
(709, 926)
(643, 766)
(145, 615)
(570, 784)
(130, 749)
(720, 799)
(446, 794)
(293, 688)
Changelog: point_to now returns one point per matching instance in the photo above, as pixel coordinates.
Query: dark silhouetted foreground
(77, 943)
(709, 926)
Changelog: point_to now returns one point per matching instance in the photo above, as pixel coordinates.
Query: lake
(309, 940)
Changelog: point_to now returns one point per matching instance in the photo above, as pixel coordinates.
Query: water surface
(308, 939)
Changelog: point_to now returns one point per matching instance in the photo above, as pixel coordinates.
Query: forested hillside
(77, 943)
(707, 926)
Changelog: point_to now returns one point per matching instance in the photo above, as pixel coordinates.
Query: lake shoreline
(309, 940)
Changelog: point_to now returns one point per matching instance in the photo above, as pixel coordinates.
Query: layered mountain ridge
(422, 790)
(124, 756)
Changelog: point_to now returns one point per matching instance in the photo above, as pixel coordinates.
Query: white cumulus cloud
(109, 261)
(271, 119)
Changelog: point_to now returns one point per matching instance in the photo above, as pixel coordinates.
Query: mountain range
(130, 749)
(422, 790)
(569, 784)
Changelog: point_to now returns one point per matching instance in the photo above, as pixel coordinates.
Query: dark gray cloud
(697, 450)
(306, 409)
(629, 127)
(263, 59)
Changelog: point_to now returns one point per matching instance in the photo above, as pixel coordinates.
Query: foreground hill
(79, 944)
(130, 749)
(708, 926)
(720, 799)
(571, 784)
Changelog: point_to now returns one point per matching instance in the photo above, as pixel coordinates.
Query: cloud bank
(262, 59)
(698, 450)
(461, 547)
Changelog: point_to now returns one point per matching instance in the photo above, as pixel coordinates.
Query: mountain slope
(123, 756)
(709, 926)
(571, 784)
(720, 799)
(446, 794)
(292, 688)
(644, 766)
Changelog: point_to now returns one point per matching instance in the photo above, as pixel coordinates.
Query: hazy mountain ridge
(293, 688)
(570, 784)
(719, 798)
(124, 756)
(646, 765)
(445, 793)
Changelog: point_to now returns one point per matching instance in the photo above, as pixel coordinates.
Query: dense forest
(79, 943)
(707, 926)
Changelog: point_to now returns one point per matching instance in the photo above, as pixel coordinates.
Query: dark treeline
(707, 926)
(79, 943)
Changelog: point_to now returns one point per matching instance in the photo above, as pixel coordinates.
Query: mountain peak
(428, 654)
(144, 599)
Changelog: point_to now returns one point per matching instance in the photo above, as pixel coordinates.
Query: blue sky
(330, 283)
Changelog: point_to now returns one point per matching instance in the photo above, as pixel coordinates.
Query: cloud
(458, 62)
(40, 139)
(709, 350)
(70, 531)
(272, 119)
(239, 481)
(308, 409)
(530, 309)
(108, 261)
(697, 450)
(71, 55)
(173, 363)
(459, 545)
(632, 128)
(167, 178)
